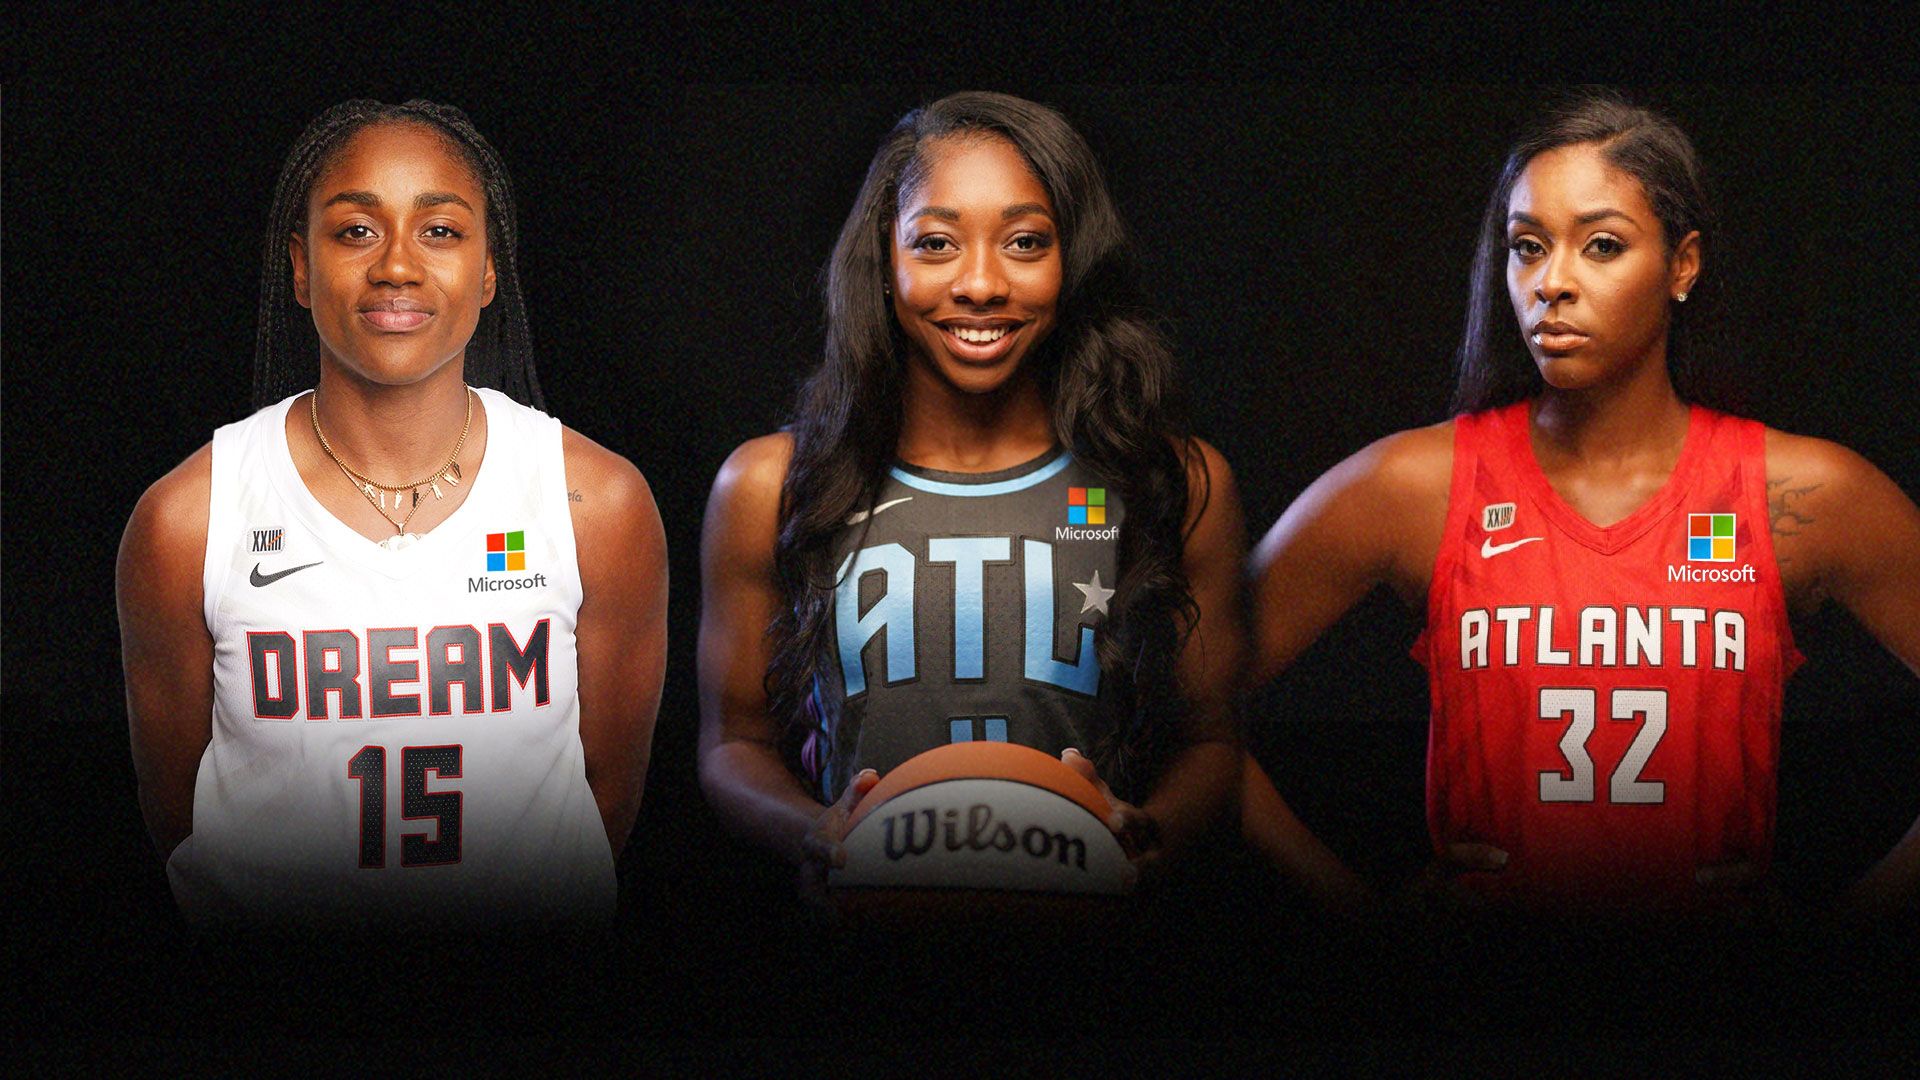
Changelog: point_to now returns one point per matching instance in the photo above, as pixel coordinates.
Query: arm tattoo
(1782, 513)
(574, 496)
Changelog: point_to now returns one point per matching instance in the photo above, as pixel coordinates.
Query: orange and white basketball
(983, 816)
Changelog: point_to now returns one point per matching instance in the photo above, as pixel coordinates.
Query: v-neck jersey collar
(342, 539)
(1611, 538)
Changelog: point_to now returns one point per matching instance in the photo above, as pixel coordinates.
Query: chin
(394, 368)
(1570, 372)
(973, 379)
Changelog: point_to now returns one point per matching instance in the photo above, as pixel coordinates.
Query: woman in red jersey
(1606, 566)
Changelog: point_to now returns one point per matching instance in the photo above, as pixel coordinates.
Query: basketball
(981, 817)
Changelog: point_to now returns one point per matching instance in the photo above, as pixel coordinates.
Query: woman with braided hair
(393, 644)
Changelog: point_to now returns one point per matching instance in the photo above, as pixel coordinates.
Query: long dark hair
(1492, 366)
(286, 352)
(1107, 374)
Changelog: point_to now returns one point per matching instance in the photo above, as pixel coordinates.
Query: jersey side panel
(1456, 780)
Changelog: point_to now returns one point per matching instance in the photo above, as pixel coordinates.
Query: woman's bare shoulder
(171, 516)
(1406, 469)
(756, 469)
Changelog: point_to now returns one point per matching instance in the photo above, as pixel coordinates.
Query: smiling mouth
(978, 336)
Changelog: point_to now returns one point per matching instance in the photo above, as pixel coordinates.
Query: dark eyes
(1600, 247)
(1025, 243)
(361, 231)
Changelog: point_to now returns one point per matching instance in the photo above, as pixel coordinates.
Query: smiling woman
(328, 562)
(985, 231)
(911, 562)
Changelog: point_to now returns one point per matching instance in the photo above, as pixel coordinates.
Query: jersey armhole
(1753, 446)
(1459, 487)
(551, 435)
(229, 444)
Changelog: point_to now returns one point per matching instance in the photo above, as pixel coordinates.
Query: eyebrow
(430, 199)
(1587, 218)
(945, 213)
(424, 201)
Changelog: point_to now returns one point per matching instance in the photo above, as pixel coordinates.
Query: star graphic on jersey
(1097, 597)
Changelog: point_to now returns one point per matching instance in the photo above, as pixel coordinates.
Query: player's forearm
(1195, 791)
(166, 764)
(168, 816)
(1271, 828)
(618, 801)
(1892, 886)
(617, 743)
(757, 798)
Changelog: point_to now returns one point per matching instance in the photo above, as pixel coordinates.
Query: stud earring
(1680, 299)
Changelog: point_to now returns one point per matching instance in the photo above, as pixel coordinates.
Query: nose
(1556, 281)
(398, 264)
(980, 280)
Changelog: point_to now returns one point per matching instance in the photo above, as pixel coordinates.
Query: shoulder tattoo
(1784, 513)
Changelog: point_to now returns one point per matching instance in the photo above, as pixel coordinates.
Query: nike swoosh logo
(859, 516)
(1488, 549)
(259, 578)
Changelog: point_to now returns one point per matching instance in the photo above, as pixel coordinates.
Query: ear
(486, 283)
(297, 255)
(1683, 267)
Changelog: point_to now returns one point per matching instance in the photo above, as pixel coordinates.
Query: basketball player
(394, 645)
(1606, 566)
(986, 520)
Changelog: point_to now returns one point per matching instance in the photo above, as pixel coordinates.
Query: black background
(1309, 246)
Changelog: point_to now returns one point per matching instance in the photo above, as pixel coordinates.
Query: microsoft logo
(507, 551)
(1710, 537)
(1086, 506)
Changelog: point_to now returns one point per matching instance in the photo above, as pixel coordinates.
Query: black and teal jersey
(967, 607)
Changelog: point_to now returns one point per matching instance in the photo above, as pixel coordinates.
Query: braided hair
(286, 349)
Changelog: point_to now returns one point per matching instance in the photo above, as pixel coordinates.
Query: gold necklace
(376, 492)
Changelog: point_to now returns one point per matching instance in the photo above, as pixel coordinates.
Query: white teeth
(978, 337)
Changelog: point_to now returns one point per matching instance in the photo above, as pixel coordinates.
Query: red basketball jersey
(1606, 701)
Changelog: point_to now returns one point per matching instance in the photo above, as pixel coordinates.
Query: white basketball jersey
(395, 733)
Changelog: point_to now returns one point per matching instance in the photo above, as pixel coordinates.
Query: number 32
(1576, 783)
